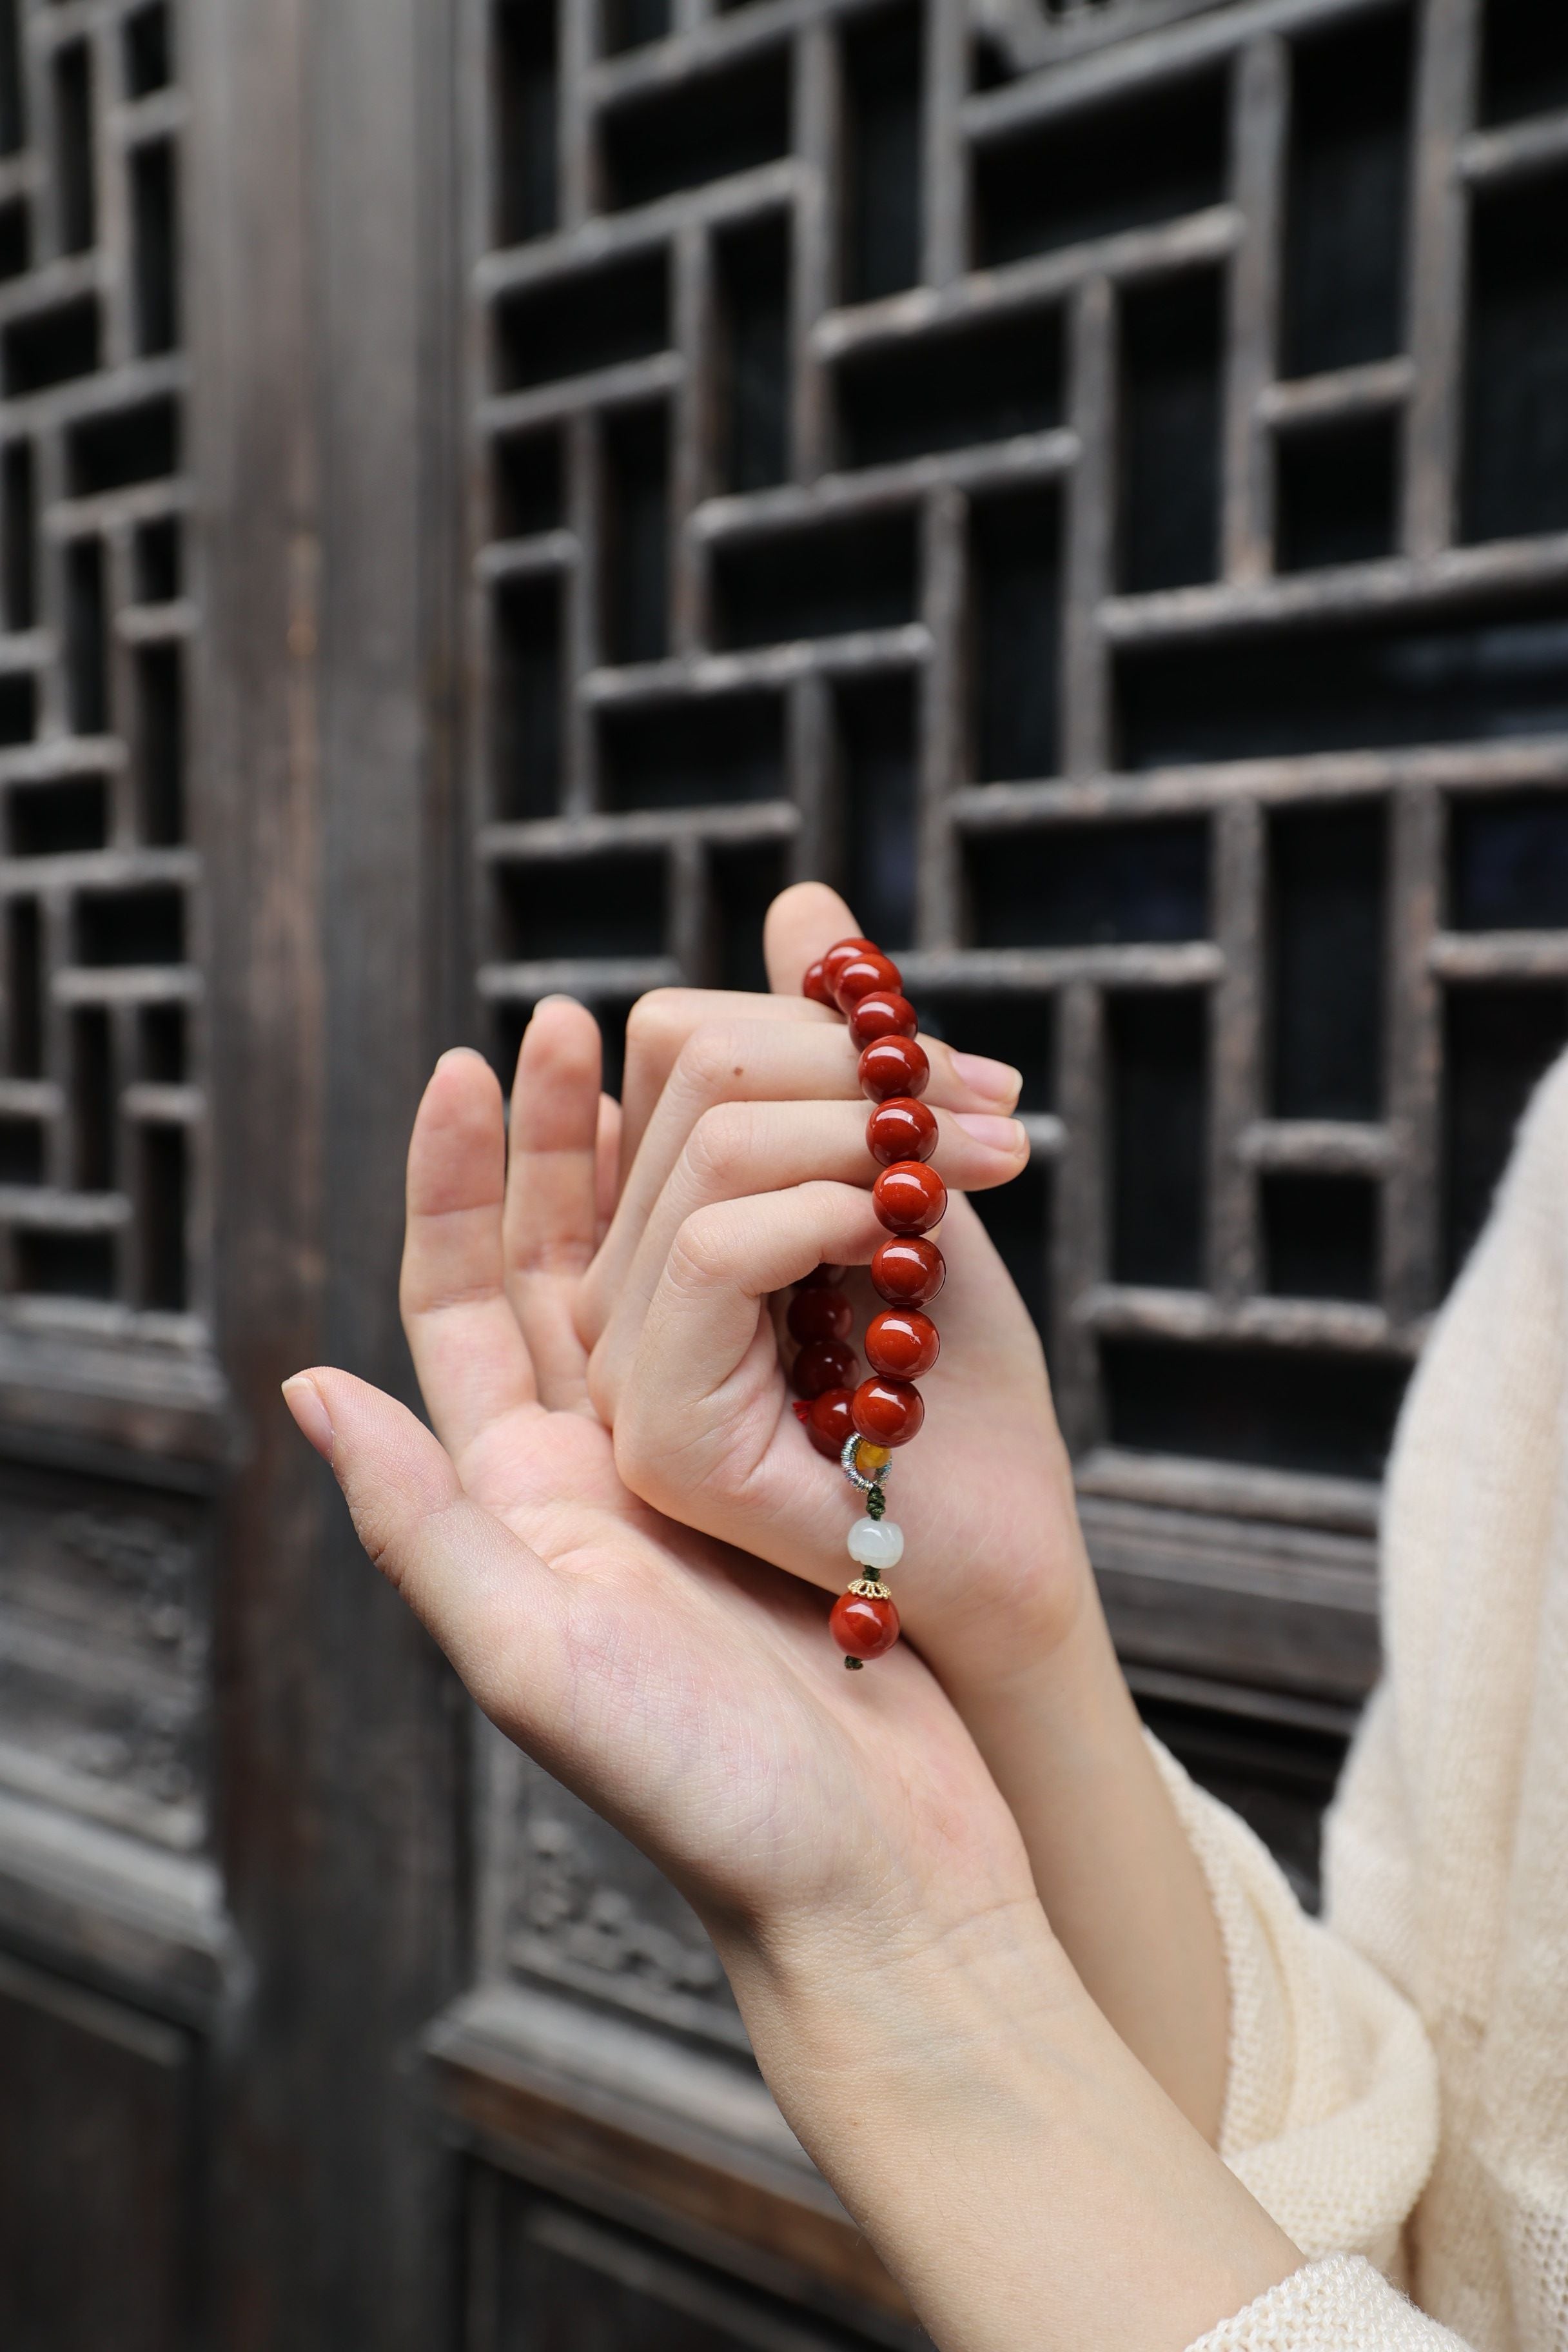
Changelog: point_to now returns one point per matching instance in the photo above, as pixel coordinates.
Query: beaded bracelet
(860, 1425)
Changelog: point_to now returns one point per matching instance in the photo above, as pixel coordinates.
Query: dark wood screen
(1107, 518)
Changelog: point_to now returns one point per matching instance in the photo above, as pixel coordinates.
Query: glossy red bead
(888, 1412)
(820, 1314)
(881, 1013)
(827, 1421)
(815, 985)
(863, 1628)
(910, 1197)
(908, 1272)
(901, 1129)
(843, 951)
(823, 1364)
(872, 974)
(894, 1066)
(903, 1343)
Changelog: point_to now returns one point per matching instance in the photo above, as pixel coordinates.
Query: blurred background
(487, 494)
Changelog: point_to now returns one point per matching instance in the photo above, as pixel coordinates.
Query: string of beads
(859, 1423)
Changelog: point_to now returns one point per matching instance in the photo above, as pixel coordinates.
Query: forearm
(1117, 1877)
(1012, 2164)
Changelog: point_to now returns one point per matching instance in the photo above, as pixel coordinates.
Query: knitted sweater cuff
(1341, 2304)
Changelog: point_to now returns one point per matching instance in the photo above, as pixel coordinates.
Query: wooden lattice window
(1113, 520)
(100, 1180)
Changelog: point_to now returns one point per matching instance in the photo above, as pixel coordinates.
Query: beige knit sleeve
(1339, 2306)
(1331, 2114)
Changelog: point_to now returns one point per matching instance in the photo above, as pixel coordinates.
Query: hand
(692, 1694)
(745, 1135)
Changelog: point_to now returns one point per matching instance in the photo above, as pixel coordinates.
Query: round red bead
(908, 1272)
(862, 1627)
(903, 1343)
(822, 1364)
(888, 1412)
(820, 1314)
(872, 974)
(894, 1066)
(815, 985)
(909, 1198)
(901, 1129)
(827, 1421)
(843, 951)
(881, 1013)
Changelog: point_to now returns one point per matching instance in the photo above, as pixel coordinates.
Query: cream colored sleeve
(1331, 2114)
(1341, 2304)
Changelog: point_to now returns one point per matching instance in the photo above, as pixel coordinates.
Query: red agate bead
(863, 1627)
(822, 1364)
(872, 974)
(908, 1271)
(827, 1421)
(902, 1343)
(909, 1198)
(888, 1412)
(901, 1129)
(894, 1066)
(843, 951)
(820, 1314)
(815, 985)
(881, 1013)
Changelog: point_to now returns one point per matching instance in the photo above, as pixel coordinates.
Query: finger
(747, 1061)
(802, 924)
(471, 1581)
(469, 1352)
(551, 1191)
(743, 1149)
(658, 1027)
(703, 1421)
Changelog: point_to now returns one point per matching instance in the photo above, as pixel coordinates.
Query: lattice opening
(76, 189)
(751, 273)
(21, 1151)
(525, 699)
(876, 774)
(1516, 441)
(1015, 604)
(1524, 60)
(696, 755)
(157, 558)
(92, 1062)
(148, 51)
(1171, 368)
(1096, 172)
(636, 535)
(160, 742)
(87, 638)
(156, 276)
(1327, 894)
(577, 325)
(1320, 1236)
(1080, 886)
(1507, 862)
(65, 1266)
(1158, 1090)
(140, 444)
(983, 383)
(1346, 202)
(145, 926)
(1494, 672)
(708, 129)
(821, 581)
(1337, 494)
(51, 347)
(1497, 1043)
(16, 239)
(743, 882)
(523, 97)
(529, 494)
(1017, 1029)
(881, 218)
(1329, 1415)
(606, 907)
(58, 820)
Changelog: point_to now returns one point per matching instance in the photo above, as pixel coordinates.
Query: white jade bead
(877, 1543)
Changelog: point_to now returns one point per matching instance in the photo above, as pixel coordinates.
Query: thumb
(803, 923)
(474, 1585)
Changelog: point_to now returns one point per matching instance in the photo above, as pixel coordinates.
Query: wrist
(1013, 2165)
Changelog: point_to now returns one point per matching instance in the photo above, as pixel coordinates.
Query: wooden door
(485, 495)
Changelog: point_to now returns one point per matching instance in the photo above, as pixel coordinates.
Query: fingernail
(998, 1079)
(305, 1401)
(998, 1134)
